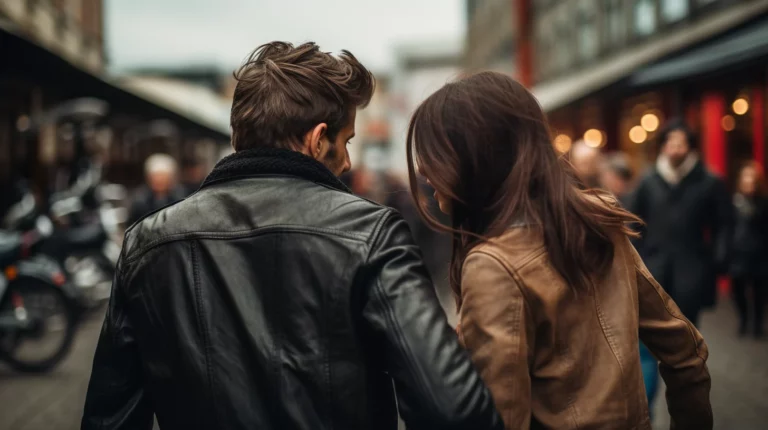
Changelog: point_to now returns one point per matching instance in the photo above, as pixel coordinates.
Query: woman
(749, 248)
(551, 294)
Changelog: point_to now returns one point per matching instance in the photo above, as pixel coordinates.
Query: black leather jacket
(273, 298)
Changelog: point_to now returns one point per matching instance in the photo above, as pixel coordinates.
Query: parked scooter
(38, 316)
(84, 242)
(86, 237)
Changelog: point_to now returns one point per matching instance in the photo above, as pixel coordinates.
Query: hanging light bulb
(593, 138)
(637, 134)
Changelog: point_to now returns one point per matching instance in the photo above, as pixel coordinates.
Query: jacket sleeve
(681, 352)
(498, 332)
(116, 398)
(436, 383)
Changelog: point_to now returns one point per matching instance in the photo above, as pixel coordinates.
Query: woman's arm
(497, 330)
(681, 352)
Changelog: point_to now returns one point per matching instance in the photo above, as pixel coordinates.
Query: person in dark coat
(160, 190)
(749, 248)
(687, 214)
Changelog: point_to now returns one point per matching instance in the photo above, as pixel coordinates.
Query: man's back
(277, 301)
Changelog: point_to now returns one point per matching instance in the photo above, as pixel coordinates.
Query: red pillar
(713, 135)
(523, 18)
(758, 126)
(713, 145)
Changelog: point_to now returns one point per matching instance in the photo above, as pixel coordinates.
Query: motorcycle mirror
(44, 226)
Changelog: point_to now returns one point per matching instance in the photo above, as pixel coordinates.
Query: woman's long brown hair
(484, 143)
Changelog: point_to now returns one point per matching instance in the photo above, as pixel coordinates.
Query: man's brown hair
(284, 91)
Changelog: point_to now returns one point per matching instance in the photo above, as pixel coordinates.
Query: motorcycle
(86, 241)
(38, 317)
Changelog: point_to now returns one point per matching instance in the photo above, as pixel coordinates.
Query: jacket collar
(674, 175)
(272, 162)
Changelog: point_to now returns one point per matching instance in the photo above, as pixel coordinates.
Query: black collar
(275, 162)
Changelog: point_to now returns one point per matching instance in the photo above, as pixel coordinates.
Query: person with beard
(687, 218)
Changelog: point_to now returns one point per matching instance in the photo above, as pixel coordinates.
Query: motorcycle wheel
(51, 313)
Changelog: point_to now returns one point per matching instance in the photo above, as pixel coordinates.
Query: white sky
(223, 32)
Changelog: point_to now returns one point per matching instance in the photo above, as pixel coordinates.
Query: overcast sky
(179, 32)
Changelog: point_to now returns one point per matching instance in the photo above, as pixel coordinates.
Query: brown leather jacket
(555, 358)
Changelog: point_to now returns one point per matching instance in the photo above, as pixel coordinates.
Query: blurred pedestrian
(273, 298)
(553, 298)
(616, 175)
(586, 163)
(160, 189)
(687, 217)
(749, 248)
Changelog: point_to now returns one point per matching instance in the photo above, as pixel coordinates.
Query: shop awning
(31, 62)
(739, 49)
(617, 71)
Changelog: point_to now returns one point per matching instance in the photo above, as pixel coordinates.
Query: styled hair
(484, 143)
(677, 124)
(160, 163)
(284, 91)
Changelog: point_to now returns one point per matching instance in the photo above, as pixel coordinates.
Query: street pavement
(739, 369)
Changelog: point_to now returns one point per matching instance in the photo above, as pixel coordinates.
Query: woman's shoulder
(513, 249)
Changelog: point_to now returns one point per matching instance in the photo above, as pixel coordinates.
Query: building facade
(491, 35)
(52, 54)
(613, 71)
(421, 68)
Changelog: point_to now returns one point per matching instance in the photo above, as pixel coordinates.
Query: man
(161, 189)
(273, 298)
(687, 215)
(586, 163)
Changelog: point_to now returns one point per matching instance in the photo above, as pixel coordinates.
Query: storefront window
(615, 23)
(564, 49)
(644, 17)
(587, 29)
(674, 10)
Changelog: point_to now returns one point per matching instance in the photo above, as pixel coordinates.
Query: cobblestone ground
(739, 369)
(52, 401)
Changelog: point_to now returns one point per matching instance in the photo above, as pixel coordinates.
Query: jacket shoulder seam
(527, 258)
(240, 234)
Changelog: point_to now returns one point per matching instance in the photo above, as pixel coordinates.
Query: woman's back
(557, 357)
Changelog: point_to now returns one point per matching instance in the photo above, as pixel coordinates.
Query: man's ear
(313, 141)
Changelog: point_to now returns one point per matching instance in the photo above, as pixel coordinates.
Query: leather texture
(556, 358)
(269, 301)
